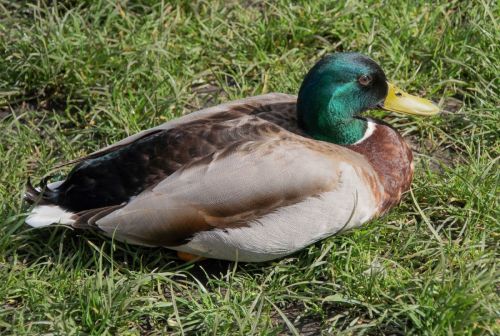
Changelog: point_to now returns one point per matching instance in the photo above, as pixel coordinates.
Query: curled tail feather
(42, 195)
(46, 210)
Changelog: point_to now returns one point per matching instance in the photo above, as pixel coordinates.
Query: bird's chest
(392, 159)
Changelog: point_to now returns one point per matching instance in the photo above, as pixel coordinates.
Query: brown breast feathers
(392, 159)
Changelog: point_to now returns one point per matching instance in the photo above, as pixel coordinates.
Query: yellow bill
(399, 101)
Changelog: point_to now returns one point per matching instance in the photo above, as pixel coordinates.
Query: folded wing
(232, 188)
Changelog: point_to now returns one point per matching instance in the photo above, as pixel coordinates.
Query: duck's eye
(365, 80)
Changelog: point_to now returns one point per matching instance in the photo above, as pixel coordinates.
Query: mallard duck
(251, 180)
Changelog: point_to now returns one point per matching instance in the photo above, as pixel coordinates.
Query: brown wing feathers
(226, 189)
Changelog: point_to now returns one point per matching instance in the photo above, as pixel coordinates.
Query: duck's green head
(341, 86)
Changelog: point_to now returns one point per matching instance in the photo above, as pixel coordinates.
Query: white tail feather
(44, 215)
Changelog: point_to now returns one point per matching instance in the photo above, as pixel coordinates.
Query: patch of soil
(295, 312)
(314, 324)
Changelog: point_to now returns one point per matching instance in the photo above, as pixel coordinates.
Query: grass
(75, 76)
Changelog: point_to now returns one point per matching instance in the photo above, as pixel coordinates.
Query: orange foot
(189, 257)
